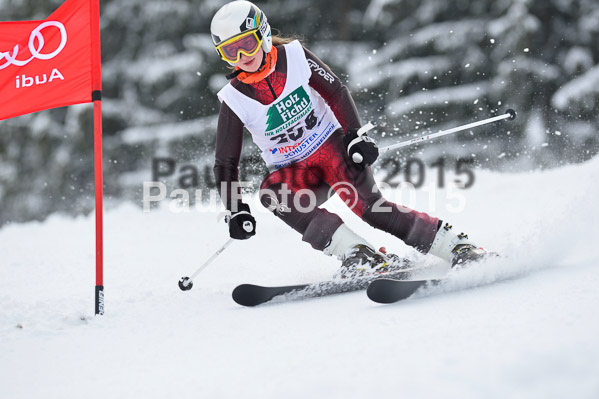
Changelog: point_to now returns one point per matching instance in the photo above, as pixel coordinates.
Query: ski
(389, 290)
(253, 295)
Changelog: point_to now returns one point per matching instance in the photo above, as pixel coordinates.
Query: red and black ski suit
(328, 166)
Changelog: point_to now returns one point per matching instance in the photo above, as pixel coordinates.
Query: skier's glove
(242, 224)
(362, 150)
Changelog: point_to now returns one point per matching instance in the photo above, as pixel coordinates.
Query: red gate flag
(50, 63)
(54, 63)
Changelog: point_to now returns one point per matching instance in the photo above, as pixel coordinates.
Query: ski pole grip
(365, 128)
(358, 158)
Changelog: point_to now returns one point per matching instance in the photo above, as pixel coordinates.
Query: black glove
(242, 224)
(365, 148)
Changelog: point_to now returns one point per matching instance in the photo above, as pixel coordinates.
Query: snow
(577, 59)
(401, 71)
(141, 134)
(535, 129)
(374, 12)
(530, 334)
(577, 89)
(536, 67)
(149, 71)
(430, 98)
(449, 36)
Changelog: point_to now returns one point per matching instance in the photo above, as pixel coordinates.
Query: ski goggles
(247, 43)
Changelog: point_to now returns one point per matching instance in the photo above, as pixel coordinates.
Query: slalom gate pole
(185, 283)
(99, 297)
(96, 97)
(509, 114)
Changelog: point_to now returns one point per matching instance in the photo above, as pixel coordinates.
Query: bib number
(296, 132)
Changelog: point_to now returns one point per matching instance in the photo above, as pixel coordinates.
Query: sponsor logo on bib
(288, 111)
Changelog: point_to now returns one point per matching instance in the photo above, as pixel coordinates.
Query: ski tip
(244, 295)
(389, 290)
(380, 291)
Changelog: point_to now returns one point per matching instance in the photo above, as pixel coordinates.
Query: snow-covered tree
(413, 66)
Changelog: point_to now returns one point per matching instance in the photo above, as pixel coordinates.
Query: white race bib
(295, 124)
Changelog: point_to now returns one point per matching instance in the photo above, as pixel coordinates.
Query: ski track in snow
(524, 326)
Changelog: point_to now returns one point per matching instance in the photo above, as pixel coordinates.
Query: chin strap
(269, 61)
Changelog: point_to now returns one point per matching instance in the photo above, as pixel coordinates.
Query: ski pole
(509, 114)
(185, 283)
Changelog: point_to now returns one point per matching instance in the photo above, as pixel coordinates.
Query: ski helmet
(239, 19)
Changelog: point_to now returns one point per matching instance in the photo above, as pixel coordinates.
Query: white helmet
(239, 17)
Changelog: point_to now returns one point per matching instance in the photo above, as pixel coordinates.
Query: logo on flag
(36, 46)
(47, 64)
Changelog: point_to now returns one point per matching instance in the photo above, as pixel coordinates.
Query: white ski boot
(358, 257)
(457, 249)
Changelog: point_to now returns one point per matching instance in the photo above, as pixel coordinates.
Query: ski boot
(362, 260)
(457, 249)
(358, 257)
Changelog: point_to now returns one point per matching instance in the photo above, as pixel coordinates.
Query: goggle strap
(257, 31)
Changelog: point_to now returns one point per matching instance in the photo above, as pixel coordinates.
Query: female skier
(305, 122)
